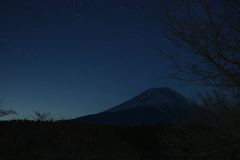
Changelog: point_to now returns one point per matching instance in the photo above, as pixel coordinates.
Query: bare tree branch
(214, 39)
(6, 112)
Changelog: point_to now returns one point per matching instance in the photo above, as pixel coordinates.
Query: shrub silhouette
(6, 112)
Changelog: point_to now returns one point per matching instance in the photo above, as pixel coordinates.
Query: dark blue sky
(78, 57)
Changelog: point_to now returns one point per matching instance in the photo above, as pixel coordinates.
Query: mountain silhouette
(152, 107)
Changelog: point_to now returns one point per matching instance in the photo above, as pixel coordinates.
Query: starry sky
(77, 57)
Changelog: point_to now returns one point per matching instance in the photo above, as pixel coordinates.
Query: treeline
(38, 140)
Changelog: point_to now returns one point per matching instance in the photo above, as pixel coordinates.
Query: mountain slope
(154, 106)
(157, 97)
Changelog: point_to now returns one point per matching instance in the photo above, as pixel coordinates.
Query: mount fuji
(152, 107)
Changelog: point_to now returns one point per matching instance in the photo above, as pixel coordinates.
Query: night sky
(79, 57)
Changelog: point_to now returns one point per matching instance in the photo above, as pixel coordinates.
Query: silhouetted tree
(6, 112)
(42, 116)
(212, 35)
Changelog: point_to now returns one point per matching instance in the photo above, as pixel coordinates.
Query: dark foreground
(77, 141)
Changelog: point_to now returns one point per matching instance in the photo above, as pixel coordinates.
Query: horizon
(10, 117)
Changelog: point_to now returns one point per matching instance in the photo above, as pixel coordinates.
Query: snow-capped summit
(154, 97)
(154, 106)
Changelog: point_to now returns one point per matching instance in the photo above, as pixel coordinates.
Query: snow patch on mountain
(157, 97)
